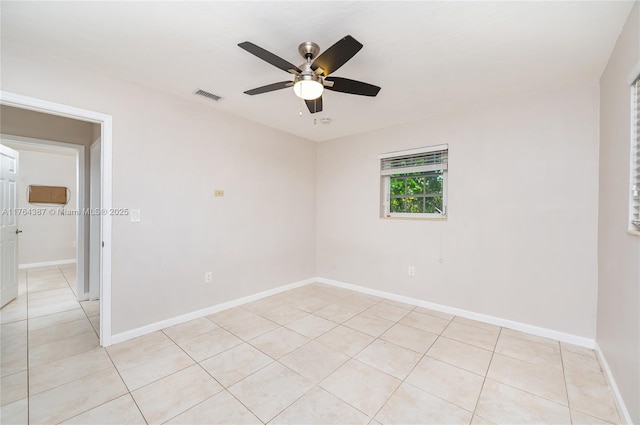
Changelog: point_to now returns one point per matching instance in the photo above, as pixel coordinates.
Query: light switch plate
(135, 216)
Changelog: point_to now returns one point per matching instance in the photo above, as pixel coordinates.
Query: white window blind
(635, 162)
(414, 162)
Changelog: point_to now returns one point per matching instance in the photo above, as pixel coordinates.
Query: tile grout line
(484, 380)
(207, 372)
(566, 387)
(126, 386)
(57, 386)
(28, 369)
(404, 380)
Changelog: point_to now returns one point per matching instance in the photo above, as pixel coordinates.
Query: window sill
(420, 219)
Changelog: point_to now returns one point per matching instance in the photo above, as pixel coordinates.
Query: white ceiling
(428, 57)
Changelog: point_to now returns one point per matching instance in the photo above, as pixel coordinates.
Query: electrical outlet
(208, 277)
(411, 271)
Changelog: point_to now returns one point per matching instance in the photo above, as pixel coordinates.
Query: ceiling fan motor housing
(309, 50)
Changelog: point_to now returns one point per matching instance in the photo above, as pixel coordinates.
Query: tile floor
(315, 354)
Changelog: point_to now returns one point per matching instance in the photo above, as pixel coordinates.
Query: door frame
(93, 284)
(81, 228)
(106, 132)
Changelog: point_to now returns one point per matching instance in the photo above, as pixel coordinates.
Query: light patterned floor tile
(446, 316)
(279, 342)
(502, 404)
(528, 337)
(62, 348)
(131, 350)
(284, 314)
(387, 311)
(13, 358)
(409, 405)
(150, 367)
(321, 408)
(250, 326)
(68, 369)
(580, 418)
(270, 390)
(71, 378)
(459, 354)
(531, 351)
(337, 313)
(369, 324)
(50, 305)
(448, 382)
(56, 332)
(16, 413)
(56, 319)
(209, 344)
(411, 338)
(236, 363)
(311, 326)
(314, 361)
(592, 396)
(345, 340)
(68, 400)
(425, 322)
(174, 394)
(389, 358)
(121, 411)
(479, 337)
(541, 380)
(362, 386)
(13, 388)
(398, 304)
(476, 324)
(190, 329)
(91, 308)
(15, 311)
(222, 408)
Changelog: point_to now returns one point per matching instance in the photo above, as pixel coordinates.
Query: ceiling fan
(312, 77)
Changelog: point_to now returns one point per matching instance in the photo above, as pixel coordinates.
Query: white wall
(46, 237)
(618, 252)
(520, 241)
(168, 157)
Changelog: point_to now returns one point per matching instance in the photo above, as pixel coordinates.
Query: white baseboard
(523, 327)
(622, 407)
(46, 263)
(143, 330)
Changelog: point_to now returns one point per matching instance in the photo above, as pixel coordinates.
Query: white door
(95, 234)
(8, 225)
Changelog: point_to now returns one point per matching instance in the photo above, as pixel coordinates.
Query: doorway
(102, 192)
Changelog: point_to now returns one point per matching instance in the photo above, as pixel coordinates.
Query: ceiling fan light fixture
(308, 87)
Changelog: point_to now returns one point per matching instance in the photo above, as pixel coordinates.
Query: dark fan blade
(346, 85)
(337, 55)
(314, 105)
(266, 56)
(270, 87)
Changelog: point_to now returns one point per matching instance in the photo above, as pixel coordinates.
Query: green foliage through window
(417, 193)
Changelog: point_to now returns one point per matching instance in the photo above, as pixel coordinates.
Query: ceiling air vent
(209, 95)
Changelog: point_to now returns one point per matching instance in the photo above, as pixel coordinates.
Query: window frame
(385, 185)
(634, 174)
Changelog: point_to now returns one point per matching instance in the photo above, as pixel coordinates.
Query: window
(414, 183)
(635, 156)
